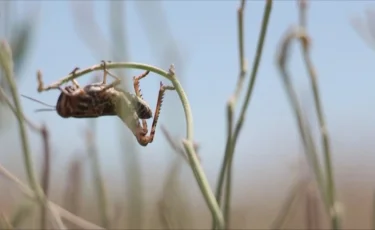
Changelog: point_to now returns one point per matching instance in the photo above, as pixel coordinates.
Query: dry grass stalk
(73, 192)
(46, 173)
(312, 209)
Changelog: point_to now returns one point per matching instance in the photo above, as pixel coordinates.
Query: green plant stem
(253, 75)
(228, 146)
(229, 161)
(305, 136)
(232, 102)
(233, 141)
(305, 133)
(193, 159)
(331, 191)
(203, 184)
(241, 51)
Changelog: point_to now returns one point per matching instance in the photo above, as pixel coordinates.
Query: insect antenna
(44, 110)
(53, 108)
(40, 102)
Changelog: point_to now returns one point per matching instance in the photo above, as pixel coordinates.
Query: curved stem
(305, 132)
(188, 143)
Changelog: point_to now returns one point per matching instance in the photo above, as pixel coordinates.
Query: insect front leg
(105, 72)
(63, 90)
(74, 81)
(104, 64)
(69, 91)
(144, 140)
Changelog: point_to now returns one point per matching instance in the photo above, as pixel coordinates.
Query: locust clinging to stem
(99, 99)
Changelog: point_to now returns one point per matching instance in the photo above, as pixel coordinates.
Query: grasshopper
(99, 99)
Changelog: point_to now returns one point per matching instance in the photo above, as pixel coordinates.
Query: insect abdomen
(141, 107)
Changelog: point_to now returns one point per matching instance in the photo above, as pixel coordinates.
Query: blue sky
(206, 35)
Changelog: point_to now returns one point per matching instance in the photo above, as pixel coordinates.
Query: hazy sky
(206, 34)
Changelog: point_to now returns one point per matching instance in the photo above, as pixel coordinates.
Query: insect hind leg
(162, 90)
(136, 79)
(137, 91)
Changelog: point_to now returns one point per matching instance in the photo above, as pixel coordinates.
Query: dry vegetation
(318, 205)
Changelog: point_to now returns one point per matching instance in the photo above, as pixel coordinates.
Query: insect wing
(102, 102)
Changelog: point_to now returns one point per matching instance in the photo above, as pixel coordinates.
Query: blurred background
(154, 187)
